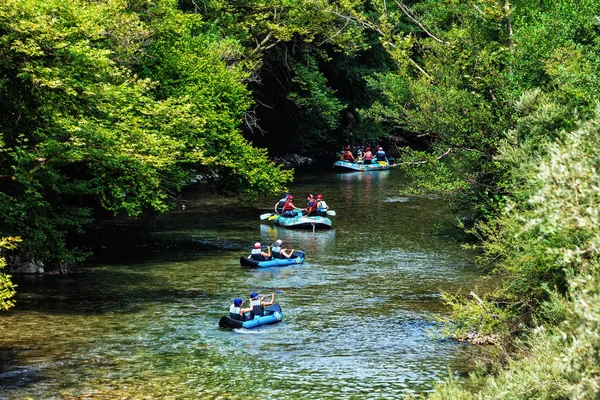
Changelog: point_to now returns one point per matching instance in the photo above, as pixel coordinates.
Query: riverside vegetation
(113, 106)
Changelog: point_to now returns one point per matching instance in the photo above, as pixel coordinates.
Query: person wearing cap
(322, 207)
(368, 156)
(236, 311)
(258, 255)
(258, 303)
(311, 205)
(289, 209)
(279, 205)
(380, 154)
(278, 252)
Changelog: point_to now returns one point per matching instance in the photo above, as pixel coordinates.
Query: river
(142, 323)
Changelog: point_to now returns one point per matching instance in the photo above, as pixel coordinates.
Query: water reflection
(300, 239)
(363, 176)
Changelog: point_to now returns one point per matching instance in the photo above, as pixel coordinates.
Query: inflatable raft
(303, 222)
(297, 257)
(353, 166)
(273, 314)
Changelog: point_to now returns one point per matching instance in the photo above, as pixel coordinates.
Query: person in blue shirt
(380, 154)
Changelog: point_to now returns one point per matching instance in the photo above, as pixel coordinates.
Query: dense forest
(111, 107)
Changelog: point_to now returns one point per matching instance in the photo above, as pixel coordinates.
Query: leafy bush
(7, 288)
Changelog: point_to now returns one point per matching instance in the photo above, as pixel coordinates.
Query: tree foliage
(7, 288)
(94, 117)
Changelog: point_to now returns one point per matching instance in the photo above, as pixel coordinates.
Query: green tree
(86, 125)
(7, 288)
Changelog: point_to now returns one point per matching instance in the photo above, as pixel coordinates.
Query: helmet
(257, 245)
(253, 295)
(319, 196)
(279, 241)
(309, 195)
(291, 197)
(286, 195)
(362, 147)
(380, 148)
(368, 149)
(237, 302)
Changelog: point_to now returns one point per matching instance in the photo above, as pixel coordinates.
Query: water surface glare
(142, 323)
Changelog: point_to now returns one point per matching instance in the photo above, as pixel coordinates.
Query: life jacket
(348, 155)
(287, 206)
(256, 256)
(322, 208)
(257, 308)
(280, 205)
(276, 250)
(380, 155)
(234, 312)
(311, 207)
(368, 155)
(322, 204)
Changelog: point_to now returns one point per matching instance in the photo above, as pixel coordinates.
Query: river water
(142, 323)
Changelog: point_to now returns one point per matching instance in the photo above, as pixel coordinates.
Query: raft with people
(312, 217)
(358, 166)
(272, 315)
(297, 257)
(302, 221)
(365, 160)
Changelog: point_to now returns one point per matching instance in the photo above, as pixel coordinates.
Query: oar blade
(265, 216)
(331, 212)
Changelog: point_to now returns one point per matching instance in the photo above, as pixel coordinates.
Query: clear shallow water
(142, 323)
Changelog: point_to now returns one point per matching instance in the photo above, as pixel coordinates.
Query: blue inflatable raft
(273, 314)
(297, 257)
(354, 166)
(303, 222)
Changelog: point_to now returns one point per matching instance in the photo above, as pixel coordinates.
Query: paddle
(331, 212)
(266, 215)
(274, 291)
(272, 217)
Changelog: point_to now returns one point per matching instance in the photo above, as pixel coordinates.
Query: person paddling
(258, 303)
(279, 205)
(278, 252)
(311, 205)
(236, 311)
(381, 156)
(348, 155)
(258, 255)
(289, 209)
(322, 207)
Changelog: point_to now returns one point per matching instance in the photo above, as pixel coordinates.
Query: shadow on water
(95, 293)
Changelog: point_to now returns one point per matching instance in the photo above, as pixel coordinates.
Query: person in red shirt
(348, 156)
(311, 206)
(289, 209)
